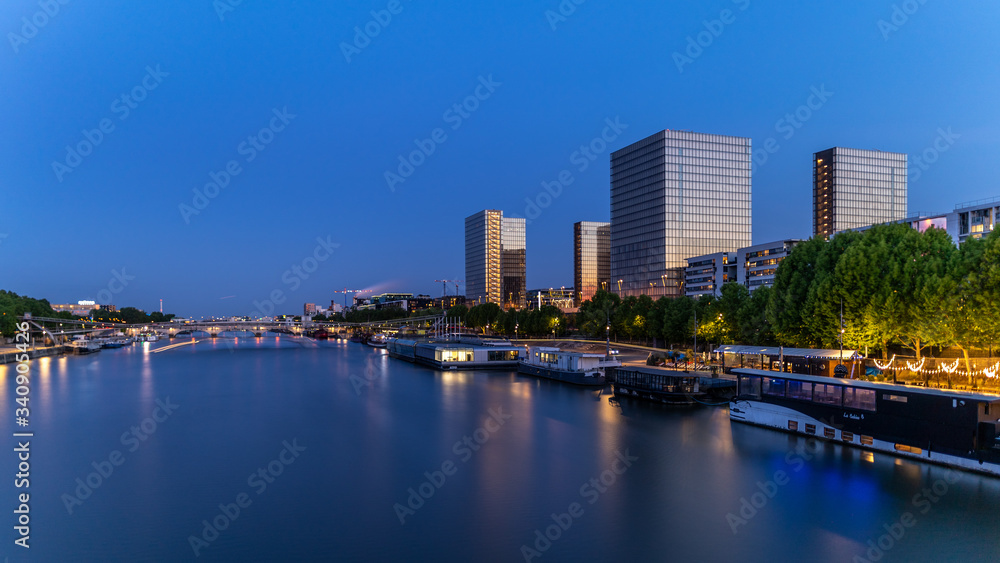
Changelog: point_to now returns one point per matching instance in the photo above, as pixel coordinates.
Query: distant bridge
(58, 330)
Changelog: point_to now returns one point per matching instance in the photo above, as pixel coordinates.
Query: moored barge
(571, 367)
(656, 385)
(947, 427)
(465, 353)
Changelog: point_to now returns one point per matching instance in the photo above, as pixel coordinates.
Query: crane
(345, 291)
(444, 285)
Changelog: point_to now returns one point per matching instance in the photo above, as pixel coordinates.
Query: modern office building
(854, 188)
(591, 259)
(705, 274)
(495, 259)
(757, 264)
(975, 219)
(675, 194)
(751, 266)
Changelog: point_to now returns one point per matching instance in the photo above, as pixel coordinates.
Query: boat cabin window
(827, 394)
(502, 355)
(800, 390)
(862, 399)
(774, 387)
(750, 386)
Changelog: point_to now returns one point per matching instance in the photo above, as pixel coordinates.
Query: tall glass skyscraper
(591, 259)
(495, 259)
(854, 188)
(513, 291)
(675, 194)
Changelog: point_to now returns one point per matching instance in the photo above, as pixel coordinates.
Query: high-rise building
(675, 194)
(513, 263)
(855, 188)
(495, 259)
(591, 259)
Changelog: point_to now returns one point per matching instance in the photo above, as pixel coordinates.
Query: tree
(597, 312)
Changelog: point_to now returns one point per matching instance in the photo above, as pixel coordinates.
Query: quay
(9, 354)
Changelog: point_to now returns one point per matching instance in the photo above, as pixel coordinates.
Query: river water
(332, 451)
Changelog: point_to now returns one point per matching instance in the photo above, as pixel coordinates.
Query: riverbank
(9, 354)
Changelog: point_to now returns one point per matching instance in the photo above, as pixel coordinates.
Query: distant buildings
(495, 259)
(757, 264)
(310, 309)
(854, 188)
(80, 308)
(705, 274)
(675, 194)
(561, 298)
(591, 259)
(975, 219)
(751, 266)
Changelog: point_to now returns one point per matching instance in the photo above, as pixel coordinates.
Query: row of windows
(824, 394)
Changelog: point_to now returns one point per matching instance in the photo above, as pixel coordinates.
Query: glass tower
(591, 259)
(675, 194)
(494, 259)
(854, 188)
(513, 292)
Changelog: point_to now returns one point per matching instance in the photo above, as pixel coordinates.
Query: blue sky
(199, 86)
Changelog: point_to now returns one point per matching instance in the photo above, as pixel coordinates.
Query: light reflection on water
(368, 445)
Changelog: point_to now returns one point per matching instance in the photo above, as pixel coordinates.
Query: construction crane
(444, 286)
(345, 291)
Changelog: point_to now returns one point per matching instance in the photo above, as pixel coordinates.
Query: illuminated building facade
(675, 194)
(591, 259)
(495, 259)
(854, 188)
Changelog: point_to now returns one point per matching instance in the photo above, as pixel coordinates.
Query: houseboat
(82, 345)
(951, 428)
(657, 385)
(464, 353)
(571, 367)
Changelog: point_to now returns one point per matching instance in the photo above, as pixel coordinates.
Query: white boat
(81, 345)
(148, 337)
(572, 367)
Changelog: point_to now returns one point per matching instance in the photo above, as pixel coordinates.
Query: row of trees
(896, 286)
(13, 305)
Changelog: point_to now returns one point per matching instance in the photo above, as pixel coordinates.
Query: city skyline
(164, 124)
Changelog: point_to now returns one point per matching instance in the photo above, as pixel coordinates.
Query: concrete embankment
(9, 354)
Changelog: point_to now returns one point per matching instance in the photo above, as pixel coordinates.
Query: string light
(919, 367)
(879, 365)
